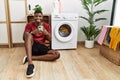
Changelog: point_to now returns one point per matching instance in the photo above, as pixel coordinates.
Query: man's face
(38, 17)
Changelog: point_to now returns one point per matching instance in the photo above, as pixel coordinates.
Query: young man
(34, 36)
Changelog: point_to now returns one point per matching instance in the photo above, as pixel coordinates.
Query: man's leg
(28, 47)
(50, 56)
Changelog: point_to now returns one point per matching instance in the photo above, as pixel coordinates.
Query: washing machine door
(64, 31)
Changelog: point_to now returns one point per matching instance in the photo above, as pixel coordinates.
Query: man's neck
(38, 23)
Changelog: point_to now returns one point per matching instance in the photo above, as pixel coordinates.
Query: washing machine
(64, 29)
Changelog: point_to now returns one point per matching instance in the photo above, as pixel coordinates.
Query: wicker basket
(110, 54)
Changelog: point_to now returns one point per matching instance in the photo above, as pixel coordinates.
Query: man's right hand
(36, 31)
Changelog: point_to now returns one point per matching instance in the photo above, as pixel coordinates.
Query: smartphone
(40, 28)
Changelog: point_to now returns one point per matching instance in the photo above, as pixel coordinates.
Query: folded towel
(108, 36)
(115, 37)
(102, 35)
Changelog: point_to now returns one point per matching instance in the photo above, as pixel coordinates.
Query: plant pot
(89, 43)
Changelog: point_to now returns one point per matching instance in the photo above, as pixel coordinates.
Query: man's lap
(39, 49)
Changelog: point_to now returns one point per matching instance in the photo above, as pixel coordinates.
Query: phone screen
(40, 28)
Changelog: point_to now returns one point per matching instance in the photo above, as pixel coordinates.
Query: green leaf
(37, 8)
(84, 18)
(99, 11)
(85, 5)
(91, 31)
(98, 19)
(99, 2)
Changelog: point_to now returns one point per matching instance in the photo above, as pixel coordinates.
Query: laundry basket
(110, 54)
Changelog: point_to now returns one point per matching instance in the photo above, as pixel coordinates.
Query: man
(34, 36)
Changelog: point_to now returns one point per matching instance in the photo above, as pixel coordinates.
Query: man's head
(38, 16)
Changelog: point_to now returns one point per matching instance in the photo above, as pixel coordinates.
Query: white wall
(116, 21)
(17, 8)
(108, 6)
(74, 6)
(3, 26)
(17, 13)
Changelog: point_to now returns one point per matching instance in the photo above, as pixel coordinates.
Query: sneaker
(25, 59)
(30, 70)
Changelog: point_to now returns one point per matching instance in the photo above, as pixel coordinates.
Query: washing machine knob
(64, 17)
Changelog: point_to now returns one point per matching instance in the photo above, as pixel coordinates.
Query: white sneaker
(25, 59)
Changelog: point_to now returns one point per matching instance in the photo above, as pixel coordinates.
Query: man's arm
(47, 34)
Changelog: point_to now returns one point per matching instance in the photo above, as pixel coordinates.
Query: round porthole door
(64, 31)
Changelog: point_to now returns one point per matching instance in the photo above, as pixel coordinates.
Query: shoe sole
(28, 76)
(24, 59)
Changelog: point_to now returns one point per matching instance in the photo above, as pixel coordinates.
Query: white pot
(89, 43)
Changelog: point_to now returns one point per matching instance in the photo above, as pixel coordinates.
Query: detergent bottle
(57, 7)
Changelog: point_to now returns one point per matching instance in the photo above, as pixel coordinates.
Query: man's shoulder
(31, 24)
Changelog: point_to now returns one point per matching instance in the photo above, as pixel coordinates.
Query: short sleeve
(27, 28)
(47, 27)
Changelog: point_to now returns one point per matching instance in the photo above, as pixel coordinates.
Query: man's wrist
(47, 34)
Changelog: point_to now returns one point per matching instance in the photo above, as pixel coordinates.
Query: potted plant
(37, 8)
(91, 31)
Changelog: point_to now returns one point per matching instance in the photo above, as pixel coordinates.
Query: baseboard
(4, 45)
(14, 45)
(18, 44)
(22, 44)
